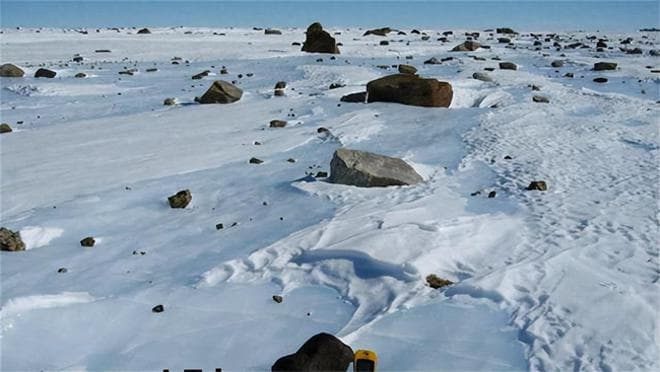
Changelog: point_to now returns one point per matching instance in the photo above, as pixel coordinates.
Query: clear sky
(525, 15)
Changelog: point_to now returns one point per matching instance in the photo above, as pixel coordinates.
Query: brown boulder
(10, 240)
(467, 46)
(9, 70)
(410, 90)
(5, 128)
(319, 41)
(322, 352)
(181, 199)
(221, 92)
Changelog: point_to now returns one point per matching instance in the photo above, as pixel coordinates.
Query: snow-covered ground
(556, 280)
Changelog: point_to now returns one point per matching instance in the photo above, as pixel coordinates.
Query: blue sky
(526, 15)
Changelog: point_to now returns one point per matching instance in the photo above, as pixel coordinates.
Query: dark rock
(158, 309)
(102, 51)
(482, 76)
(632, 51)
(153, 69)
(505, 30)
(467, 46)
(359, 97)
(221, 92)
(508, 66)
(9, 70)
(46, 73)
(201, 75)
(540, 99)
(80, 75)
(278, 299)
(600, 80)
(10, 240)
(5, 128)
(410, 90)
(365, 169)
(277, 123)
(407, 69)
(384, 43)
(492, 194)
(255, 161)
(62, 270)
(322, 352)
(272, 31)
(436, 282)
(503, 40)
(604, 66)
(180, 200)
(319, 41)
(378, 31)
(169, 101)
(219, 226)
(601, 44)
(280, 85)
(321, 174)
(144, 31)
(336, 85)
(537, 185)
(557, 63)
(432, 61)
(77, 59)
(569, 75)
(88, 242)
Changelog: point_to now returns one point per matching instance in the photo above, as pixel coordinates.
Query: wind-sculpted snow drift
(564, 278)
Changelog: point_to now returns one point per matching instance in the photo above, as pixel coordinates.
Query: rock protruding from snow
(378, 31)
(144, 31)
(9, 70)
(181, 199)
(366, 169)
(45, 73)
(410, 90)
(319, 41)
(359, 97)
(322, 352)
(537, 185)
(604, 66)
(436, 282)
(508, 66)
(482, 76)
(280, 87)
(169, 101)
(221, 92)
(5, 128)
(88, 242)
(10, 240)
(467, 46)
(407, 69)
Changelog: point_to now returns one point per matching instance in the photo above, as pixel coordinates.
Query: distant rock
(278, 299)
(158, 309)
(557, 63)
(77, 59)
(152, 69)
(365, 169)
(508, 66)
(407, 69)
(10, 240)
(601, 44)
(5, 128)
(255, 161)
(180, 200)
(410, 90)
(9, 70)
(537, 185)
(359, 97)
(540, 99)
(272, 31)
(436, 282)
(432, 61)
(503, 40)
(201, 75)
(336, 85)
(569, 75)
(45, 73)
(169, 101)
(654, 52)
(280, 86)
(144, 31)
(378, 31)
(384, 43)
(80, 75)
(505, 30)
(62, 270)
(319, 41)
(221, 92)
(632, 50)
(88, 242)
(467, 46)
(278, 123)
(322, 352)
(604, 66)
(600, 80)
(482, 76)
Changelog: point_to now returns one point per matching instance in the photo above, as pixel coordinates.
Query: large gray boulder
(221, 92)
(10, 240)
(411, 90)
(365, 169)
(322, 352)
(9, 70)
(319, 41)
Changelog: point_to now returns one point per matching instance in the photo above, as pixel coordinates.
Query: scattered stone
(319, 41)
(11, 240)
(219, 226)
(359, 97)
(62, 270)
(482, 76)
(503, 40)
(537, 185)
(410, 90)
(291, 160)
(201, 75)
(322, 352)
(569, 75)
(378, 31)
(557, 63)
(126, 72)
(540, 99)
(436, 282)
(604, 66)
(80, 75)
(278, 299)
(5, 128)
(88, 242)
(365, 169)
(255, 161)
(144, 31)
(102, 51)
(153, 69)
(467, 46)
(46, 73)
(321, 174)
(272, 31)
(432, 61)
(169, 101)
(507, 157)
(221, 92)
(508, 66)
(492, 194)
(278, 123)
(600, 80)
(9, 70)
(180, 200)
(384, 43)
(407, 69)
(505, 30)
(158, 309)
(336, 85)
(77, 59)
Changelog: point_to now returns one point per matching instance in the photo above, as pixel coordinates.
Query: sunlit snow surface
(558, 280)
